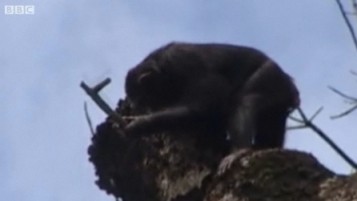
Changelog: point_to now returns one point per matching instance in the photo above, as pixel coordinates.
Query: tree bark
(175, 166)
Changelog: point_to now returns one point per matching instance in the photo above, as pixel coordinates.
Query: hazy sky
(43, 57)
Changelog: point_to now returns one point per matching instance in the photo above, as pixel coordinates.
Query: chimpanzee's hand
(128, 119)
(136, 125)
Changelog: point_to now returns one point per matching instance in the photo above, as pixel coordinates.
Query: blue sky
(44, 57)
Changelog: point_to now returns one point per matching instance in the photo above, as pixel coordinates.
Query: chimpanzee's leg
(263, 107)
(242, 128)
(242, 125)
(271, 126)
(264, 101)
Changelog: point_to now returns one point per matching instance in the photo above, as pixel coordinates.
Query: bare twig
(302, 121)
(296, 119)
(354, 5)
(347, 21)
(88, 118)
(296, 127)
(316, 113)
(307, 123)
(353, 72)
(94, 94)
(350, 98)
(345, 113)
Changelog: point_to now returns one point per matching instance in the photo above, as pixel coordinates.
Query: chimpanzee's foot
(227, 161)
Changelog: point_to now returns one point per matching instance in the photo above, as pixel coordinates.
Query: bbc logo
(19, 9)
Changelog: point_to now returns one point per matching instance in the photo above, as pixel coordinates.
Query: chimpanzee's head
(149, 87)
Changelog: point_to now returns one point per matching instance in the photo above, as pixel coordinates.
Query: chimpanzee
(236, 88)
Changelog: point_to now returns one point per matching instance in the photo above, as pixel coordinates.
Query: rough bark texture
(182, 166)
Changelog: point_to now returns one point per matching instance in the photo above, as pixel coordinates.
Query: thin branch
(342, 94)
(307, 123)
(345, 113)
(303, 119)
(94, 94)
(89, 121)
(303, 116)
(296, 119)
(354, 5)
(316, 113)
(353, 72)
(332, 144)
(296, 127)
(347, 21)
(350, 99)
(350, 13)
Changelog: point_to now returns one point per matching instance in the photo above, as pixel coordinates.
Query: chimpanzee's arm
(202, 99)
(170, 118)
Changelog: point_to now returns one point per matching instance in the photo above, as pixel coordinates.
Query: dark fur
(235, 88)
